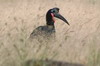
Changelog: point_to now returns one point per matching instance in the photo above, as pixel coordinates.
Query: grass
(17, 22)
(94, 50)
(94, 58)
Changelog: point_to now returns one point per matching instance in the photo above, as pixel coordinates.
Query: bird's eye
(53, 11)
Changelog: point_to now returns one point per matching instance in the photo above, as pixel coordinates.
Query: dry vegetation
(78, 43)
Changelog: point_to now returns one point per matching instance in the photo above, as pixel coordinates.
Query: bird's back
(43, 32)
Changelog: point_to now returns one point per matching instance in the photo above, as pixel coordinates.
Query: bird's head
(54, 12)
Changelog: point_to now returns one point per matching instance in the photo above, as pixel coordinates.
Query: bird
(48, 30)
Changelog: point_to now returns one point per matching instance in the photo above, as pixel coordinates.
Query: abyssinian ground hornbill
(49, 29)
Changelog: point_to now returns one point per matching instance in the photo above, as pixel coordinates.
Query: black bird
(49, 29)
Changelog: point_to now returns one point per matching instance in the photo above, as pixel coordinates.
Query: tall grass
(94, 58)
(94, 51)
(15, 48)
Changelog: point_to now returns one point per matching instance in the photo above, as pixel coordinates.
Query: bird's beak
(57, 15)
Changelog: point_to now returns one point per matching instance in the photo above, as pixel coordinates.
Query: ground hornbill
(49, 29)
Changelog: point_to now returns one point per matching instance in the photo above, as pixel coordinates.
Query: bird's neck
(52, 27)
(49, 20)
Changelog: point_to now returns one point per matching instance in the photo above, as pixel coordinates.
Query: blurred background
(77, 43)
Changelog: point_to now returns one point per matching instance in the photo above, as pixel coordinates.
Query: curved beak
(57, 15)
